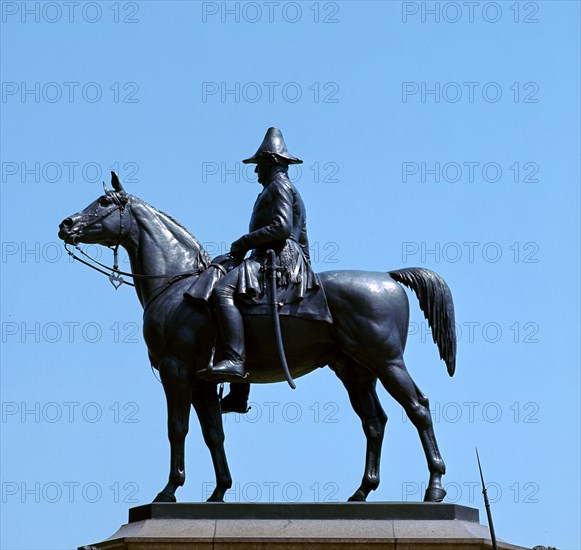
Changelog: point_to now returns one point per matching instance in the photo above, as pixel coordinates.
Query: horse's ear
(116, 183)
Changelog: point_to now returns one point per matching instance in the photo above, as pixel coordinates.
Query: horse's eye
(105, 201)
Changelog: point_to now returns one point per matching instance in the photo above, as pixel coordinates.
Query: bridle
(115, 275)
(119, 203)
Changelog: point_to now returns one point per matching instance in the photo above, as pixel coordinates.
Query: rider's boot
(237, 399)
(231, 368)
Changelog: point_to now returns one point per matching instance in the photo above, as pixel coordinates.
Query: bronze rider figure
(278, 222)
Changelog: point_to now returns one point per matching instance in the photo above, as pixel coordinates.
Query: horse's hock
(304, 526)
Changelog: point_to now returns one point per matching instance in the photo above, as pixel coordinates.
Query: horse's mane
(203, 259)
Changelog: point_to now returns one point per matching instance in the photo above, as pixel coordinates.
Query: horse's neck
(157, 245)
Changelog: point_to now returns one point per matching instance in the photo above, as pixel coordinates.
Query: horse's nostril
(68, 222)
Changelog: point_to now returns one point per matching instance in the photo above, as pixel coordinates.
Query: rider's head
(272, 155)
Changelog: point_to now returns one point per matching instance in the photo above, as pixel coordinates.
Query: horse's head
(102, 221)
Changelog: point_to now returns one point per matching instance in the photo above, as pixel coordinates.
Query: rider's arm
(280, 227)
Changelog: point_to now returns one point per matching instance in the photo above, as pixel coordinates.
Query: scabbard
(276, 319)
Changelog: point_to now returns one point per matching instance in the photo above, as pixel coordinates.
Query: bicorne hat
(273, 143)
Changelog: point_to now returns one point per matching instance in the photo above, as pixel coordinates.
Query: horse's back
(369, 308)
(375, 291)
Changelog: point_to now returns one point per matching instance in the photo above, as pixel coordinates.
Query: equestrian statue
(265, 318)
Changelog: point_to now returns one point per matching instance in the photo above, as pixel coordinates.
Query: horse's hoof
(434, 494)
(164, 497)
(358, 496)
(217, 495)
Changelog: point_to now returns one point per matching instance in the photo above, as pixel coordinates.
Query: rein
(115, 275)
(115, 269)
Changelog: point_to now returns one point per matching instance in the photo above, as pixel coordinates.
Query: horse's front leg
(207, 405)
(175, 378)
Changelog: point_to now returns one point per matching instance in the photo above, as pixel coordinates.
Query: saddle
(312, 306)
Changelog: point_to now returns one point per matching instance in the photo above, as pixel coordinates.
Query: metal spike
(487, 505)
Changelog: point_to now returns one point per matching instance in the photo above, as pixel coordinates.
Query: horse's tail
(436, 302)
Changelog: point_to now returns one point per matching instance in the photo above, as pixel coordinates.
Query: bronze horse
(365, 342)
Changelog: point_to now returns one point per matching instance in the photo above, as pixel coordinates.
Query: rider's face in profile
(263, 169)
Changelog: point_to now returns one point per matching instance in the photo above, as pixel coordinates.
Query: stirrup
(226, 370)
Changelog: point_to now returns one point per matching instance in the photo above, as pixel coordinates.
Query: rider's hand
(238, 249)
(238, 256)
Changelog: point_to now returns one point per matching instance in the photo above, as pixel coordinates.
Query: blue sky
(447, 140)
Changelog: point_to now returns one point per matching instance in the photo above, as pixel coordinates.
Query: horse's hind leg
(435, 492)
(360, 384)
(397, 381)
(207, 405)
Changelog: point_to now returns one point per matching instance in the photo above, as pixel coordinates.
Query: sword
(275, 315)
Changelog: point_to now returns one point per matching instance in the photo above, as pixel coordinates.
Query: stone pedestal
(362, 526)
